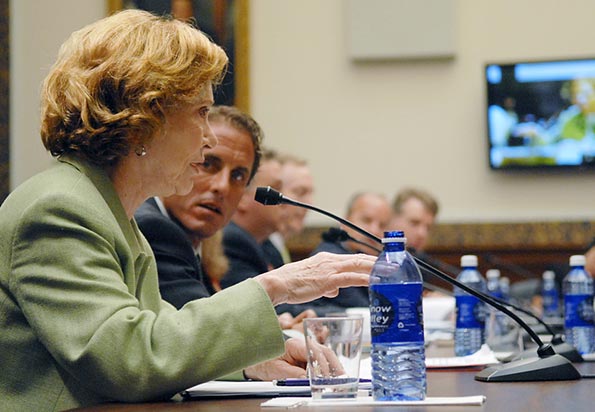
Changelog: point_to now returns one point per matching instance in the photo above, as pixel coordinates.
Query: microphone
(560, 346)
(269, 196)
(434, 262)
(548, 366)
(336, 235)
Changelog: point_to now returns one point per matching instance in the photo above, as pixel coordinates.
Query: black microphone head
(268, 196)
(334, 234)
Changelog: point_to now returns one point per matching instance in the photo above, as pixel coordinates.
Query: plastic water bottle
(550, 296)
(470, 322)
(578, 306)
(496, 323)
(505, 288)
(396, 320)
(493, 283)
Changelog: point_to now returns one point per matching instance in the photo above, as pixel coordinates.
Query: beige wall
(377, 126)
(37, 28)
(388, 124)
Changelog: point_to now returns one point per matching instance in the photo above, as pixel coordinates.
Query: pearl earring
(140, 151)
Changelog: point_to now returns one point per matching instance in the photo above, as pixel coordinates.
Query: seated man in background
(371, 212)
(182, 228)
(414, 212)
(298, 184)
(176, 226)
(251, 225)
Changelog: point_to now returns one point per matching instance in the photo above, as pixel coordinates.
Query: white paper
(439, 309)
(369, 401)
(244, 388)
(482, 357)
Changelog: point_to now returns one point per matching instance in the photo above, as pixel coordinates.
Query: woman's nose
(210, 137)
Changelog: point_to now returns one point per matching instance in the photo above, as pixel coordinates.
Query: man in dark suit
(298, 184)
(181, 278)
(178, 226)
(251, 225)
(181, 228)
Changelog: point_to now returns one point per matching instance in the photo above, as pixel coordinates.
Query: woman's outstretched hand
(320, 275)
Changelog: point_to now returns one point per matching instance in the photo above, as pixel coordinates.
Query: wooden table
(567, 396)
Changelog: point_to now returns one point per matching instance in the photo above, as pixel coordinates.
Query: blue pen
(303, 382)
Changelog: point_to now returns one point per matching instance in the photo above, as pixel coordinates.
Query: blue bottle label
(550, 300)
(396, 313)
(497, 295)
(578, 310)
(470, 312)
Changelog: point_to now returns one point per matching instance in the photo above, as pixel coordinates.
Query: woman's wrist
(274, 287)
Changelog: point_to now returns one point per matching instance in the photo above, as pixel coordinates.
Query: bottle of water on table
(496, 322)
(470, 311)
(396, 320)
(549, 295)
(505, 288)
(577, 287)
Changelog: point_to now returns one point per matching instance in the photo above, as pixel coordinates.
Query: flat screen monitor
(541, 114)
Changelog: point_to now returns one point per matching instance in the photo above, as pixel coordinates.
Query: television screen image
(541, 114)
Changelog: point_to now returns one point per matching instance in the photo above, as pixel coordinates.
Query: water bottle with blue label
(578, 306)
(470, 311)
(493, 283)
(505, 288)
(549, 295)
(396, 320)
(496, 321)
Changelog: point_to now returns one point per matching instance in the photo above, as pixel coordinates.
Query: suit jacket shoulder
(272, 254)
(179, 271)
(245, 254)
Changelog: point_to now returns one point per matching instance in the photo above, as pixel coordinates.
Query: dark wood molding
(520, 250)
(519, 235)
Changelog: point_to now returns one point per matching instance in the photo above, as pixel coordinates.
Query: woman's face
(177, 150)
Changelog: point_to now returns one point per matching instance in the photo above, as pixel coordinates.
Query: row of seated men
(195, 258)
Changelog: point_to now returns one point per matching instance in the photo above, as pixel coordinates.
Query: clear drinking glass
(334, 347)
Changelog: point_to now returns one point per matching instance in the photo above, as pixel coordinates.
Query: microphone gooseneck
(269, 196)
(557, 341)
(334, 235)
(547, 367)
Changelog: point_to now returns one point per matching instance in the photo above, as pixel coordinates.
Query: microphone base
(551, 368)
(563, 349)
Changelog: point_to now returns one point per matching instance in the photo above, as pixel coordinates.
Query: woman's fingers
(320, 275)
(322, 360)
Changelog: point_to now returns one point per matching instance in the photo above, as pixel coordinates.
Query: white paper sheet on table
(369, 401)
(244, 389)
(482, 357)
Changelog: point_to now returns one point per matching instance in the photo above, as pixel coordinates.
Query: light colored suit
(81, 318)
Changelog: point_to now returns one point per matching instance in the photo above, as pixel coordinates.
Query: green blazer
(81, 318)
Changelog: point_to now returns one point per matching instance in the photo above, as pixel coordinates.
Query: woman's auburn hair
(114, 81)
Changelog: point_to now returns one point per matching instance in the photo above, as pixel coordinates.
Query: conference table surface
(569, 396)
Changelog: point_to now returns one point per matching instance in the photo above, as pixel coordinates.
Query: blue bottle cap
(394, 236)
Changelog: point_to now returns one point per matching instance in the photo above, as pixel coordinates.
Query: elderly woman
(124, 110)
